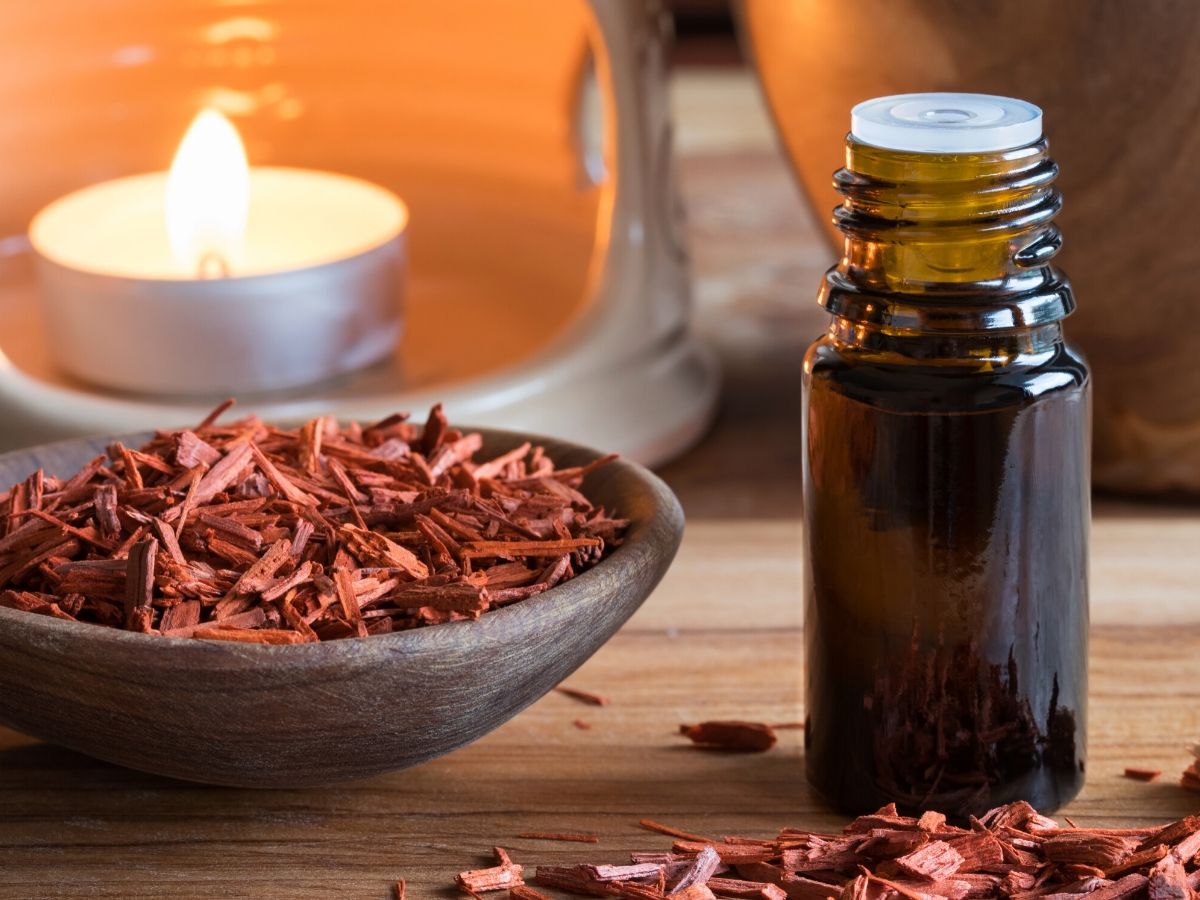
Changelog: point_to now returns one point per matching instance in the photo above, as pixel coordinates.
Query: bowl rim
(666, 517)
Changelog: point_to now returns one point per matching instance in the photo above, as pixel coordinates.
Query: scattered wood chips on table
(247, 532)
(1140, 774)
(1011, 852)
(505, 874)
(589, 697)
(750, 737)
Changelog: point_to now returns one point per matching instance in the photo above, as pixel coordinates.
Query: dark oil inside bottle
(946, 513)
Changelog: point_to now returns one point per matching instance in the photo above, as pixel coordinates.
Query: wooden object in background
(267, 716)
(1119, 103)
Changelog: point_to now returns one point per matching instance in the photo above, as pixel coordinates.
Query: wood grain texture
(71, 825)
(719, 638)
(264, 716)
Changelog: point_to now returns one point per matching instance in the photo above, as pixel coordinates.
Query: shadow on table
(42, 765)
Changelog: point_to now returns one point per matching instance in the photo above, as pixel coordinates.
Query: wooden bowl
(1117, 92)
(288, 716)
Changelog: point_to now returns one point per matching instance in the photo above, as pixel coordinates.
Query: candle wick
(212, 265)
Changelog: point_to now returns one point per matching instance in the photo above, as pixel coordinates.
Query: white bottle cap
(946, 123)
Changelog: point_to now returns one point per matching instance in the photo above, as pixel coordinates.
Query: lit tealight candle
(219, 278)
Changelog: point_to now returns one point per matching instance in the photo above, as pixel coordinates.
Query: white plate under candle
(315, 290)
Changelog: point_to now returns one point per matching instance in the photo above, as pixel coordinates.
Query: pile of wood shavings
(1011, 852)
(246, 532)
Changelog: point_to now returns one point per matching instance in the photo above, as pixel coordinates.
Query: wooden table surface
(720, 638)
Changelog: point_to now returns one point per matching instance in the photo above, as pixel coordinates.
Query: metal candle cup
(312, 288)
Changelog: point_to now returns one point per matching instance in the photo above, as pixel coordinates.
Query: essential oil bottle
(946, 472)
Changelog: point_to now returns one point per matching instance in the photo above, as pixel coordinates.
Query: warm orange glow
(208, 197)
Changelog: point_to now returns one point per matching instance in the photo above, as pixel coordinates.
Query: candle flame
(208, 197)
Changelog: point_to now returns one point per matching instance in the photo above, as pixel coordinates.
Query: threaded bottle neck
(947, 243)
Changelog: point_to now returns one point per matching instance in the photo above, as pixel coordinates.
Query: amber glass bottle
(946, 472)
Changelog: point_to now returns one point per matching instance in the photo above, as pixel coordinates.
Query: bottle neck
(988, 349)
(948, 254)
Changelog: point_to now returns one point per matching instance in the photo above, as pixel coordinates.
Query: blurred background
(620, 210)
(1121, 125)
(705, 33)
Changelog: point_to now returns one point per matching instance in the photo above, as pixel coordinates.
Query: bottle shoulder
(879, 380)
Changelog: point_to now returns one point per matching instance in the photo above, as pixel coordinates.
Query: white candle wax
(313, 288)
